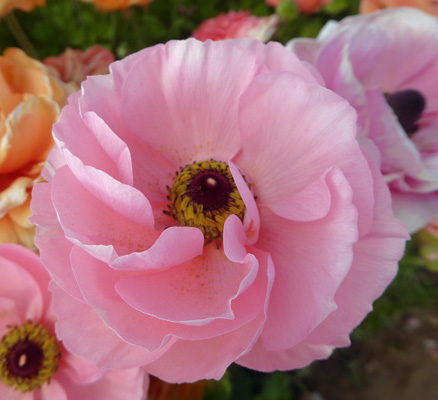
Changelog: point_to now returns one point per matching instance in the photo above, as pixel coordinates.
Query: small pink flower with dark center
(306, 6)
(75, 65)
(34, 364)
(386, 65)
(208, 203)
(240, 24)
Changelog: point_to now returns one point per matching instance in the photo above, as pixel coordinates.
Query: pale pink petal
(92, 222)
(188, 361)
(51, 241)
(252, 217)
(9, 393)
(18, 286)
(374, 266)
(78, 135)
(273, 58)
(129, 384)
(181, 77)
(307, 280)
(318, 129)
(415, 210)
(95, 334)
(196, 292)
(174, 246)
(52, 390)
(299, 356)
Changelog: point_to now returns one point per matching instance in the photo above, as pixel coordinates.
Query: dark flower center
(29, 356)
(211, 189)
(204, 195)
(408, 105)
(25, 359)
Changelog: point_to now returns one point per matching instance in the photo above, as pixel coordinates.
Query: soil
(398, 364)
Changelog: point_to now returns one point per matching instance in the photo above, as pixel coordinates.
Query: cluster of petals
(75, 65)
(234, 25)
(306, 6)
(285, 284)
(6, 6)
(370, 60)
(368, 6)
(30, 103)
(112, 5)
(25, 296)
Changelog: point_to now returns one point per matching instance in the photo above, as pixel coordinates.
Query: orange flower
(75, 65)
(306, 6)
(429, 6)
(26, 5)
(30, 101)
(111, 5)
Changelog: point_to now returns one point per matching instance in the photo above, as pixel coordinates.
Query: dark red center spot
(25, 359)
(408, 105)
(211, 189)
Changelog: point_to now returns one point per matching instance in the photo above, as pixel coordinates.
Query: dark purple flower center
(211, 189)
(408, 105)
(25, 359)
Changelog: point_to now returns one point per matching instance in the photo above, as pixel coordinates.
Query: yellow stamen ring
(204, 195)
(29, 356)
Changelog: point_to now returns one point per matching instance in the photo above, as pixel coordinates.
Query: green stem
(20, 36)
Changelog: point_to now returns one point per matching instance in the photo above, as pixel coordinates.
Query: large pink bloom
(208, 203)
(386, 65)
(33, 363)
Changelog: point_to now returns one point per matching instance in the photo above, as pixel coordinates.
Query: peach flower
(7, 6)
(233, 25)
(368, 6)
(306, 6)
(75, 65)
(30, 101)
(112, 5)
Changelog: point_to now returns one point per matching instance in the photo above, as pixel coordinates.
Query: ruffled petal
(192, 91)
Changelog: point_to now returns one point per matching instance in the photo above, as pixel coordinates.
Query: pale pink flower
(240, 24)
(367, 6)
(306, 6)
(34, 365)
(75, 65)
(386, 65)
(207, 203)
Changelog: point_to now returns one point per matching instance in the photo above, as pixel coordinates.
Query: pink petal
(192, 104)
(86, 143)
(299, 356)
(52, 390)
(174, 246)
(303, 130)
(307, 280)
(95, 335)
(129, 384)
(50, 239)
(20, 288)
(191, 360)
(252, 217)
(115, 224)
(196, 292)
(415, 210)
(374, 266)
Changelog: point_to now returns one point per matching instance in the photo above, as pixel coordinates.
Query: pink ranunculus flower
(234, 25)
(207, 202)
(386, 65)
(34, 364)
(75, 65)
(306, 6)
(367, 6)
